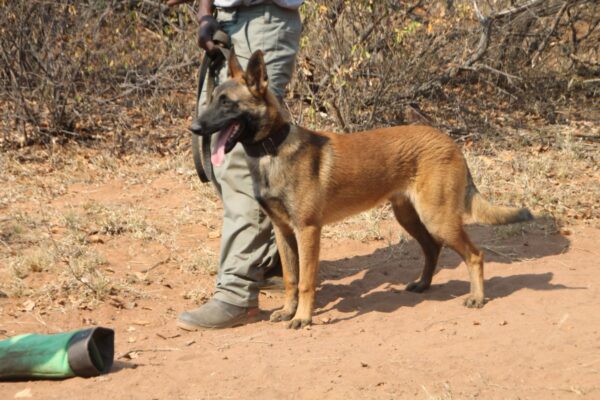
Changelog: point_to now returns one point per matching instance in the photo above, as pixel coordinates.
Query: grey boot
(216, 314)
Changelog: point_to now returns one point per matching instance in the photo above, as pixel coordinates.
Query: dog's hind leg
(438, 198)
(448, 229)
(409, 219)
(288, 252)
(308, 238)
(474, 259)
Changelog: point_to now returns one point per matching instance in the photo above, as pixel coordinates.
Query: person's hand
(173, 3)
(208, 24)
(208, 27)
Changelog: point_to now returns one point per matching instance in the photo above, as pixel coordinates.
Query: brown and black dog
(305, 179)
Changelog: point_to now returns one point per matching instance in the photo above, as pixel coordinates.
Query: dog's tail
(482, 211)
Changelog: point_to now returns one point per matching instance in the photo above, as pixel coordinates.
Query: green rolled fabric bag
(85, 353)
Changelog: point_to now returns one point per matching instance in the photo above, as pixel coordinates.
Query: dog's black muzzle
(196, 128)
(202, 126)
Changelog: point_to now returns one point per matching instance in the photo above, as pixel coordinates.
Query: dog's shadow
(376, 282)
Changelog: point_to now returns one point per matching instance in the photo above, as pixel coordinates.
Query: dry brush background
(106, 70)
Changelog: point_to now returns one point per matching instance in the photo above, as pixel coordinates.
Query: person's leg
(247, 241)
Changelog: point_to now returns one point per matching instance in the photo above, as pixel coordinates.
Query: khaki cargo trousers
(248, 246)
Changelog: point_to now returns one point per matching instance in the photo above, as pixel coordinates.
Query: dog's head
(242, 108)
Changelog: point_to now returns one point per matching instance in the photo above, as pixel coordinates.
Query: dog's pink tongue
(218, 153)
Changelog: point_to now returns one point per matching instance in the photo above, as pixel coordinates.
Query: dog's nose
(196, 127)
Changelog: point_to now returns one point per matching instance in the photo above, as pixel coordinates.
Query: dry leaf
(28, 305)
(565, 231)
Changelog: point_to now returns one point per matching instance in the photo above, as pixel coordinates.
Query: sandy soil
(537, 338)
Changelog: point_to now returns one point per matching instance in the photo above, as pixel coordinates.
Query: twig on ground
(166, 260)
(6, 245)
(157, 350)
(507, 256)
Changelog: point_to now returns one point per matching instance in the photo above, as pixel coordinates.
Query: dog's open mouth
(225, 141)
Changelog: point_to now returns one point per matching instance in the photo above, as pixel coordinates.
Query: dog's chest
(271, 189)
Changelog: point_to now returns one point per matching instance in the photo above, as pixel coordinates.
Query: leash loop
(211, 65)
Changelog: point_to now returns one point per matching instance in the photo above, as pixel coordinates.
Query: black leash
(211, 65)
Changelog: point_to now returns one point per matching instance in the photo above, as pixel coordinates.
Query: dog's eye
(224, 101)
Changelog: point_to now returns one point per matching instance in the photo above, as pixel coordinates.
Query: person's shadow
(376, 282)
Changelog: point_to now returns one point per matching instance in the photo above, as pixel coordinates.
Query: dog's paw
(417, 287)
(281, 315)
(298, 323)
(474, 302)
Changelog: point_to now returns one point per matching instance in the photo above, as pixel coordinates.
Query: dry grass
(117, 220)
(56, 250)
(556, 174)
(75, 268)
(199, 295)
(366, 226)
(199, 261)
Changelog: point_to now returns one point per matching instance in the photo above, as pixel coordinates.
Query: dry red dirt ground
(538, 337)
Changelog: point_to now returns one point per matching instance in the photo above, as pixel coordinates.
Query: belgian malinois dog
(305, 179)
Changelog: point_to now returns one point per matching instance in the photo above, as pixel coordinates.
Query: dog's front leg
(288, 252)
(308, 239)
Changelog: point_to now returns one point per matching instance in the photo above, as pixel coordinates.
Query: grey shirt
(290, 4)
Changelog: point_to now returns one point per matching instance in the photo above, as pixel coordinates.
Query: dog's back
(360, 170)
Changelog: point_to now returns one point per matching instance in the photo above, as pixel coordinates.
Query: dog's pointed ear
(256, 74)
(234, 69)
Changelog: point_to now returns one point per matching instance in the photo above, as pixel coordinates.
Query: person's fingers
(205, 38)
(209, 46)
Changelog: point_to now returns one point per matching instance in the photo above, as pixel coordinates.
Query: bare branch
(517, 9)
(544, 42)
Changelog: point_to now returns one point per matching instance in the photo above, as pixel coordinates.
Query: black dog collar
(269, 145)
